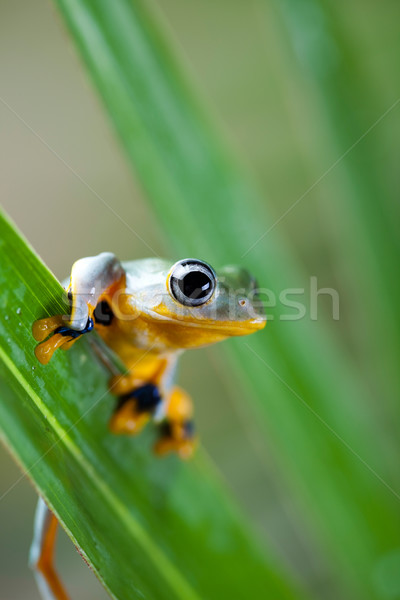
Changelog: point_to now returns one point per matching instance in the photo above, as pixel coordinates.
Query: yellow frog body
(148, 311)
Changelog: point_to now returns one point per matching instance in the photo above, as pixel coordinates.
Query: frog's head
(198, 305)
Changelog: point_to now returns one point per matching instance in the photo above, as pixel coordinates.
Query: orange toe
(183, 448)
(45, 350)
(42, 328)
(128, 419)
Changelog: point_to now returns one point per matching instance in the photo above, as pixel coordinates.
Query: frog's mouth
(160, 315)
(226, 328)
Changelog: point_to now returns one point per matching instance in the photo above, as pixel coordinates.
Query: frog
(148, 312)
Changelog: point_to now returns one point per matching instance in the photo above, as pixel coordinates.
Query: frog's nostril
(242, 302)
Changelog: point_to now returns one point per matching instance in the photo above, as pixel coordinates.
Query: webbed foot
(63, 336)
(176, 437)
(135, 409)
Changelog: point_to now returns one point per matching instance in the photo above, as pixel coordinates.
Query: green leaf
(362, 193)
(303, 389)
(149, 527)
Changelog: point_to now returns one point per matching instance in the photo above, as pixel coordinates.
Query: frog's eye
(192, 282)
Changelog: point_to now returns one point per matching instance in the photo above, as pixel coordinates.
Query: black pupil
(195, 285)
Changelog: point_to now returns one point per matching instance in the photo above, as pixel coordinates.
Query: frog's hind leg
(135, 409)
(139, 398)
(177, 430)
(41, 557)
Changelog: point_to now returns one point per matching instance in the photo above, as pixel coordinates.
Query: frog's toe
(183, 448)
(135, 409)
(128, 419)
(45, 350)
(178, 438)
(42, 328)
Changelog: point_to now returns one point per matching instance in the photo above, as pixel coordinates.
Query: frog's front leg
(91, 278)
(141, 393)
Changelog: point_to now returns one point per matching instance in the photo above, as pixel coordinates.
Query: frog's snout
(252, 314)
(260, 322)
(256, 324)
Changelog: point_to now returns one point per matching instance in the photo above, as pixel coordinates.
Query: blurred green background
(294, 86)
